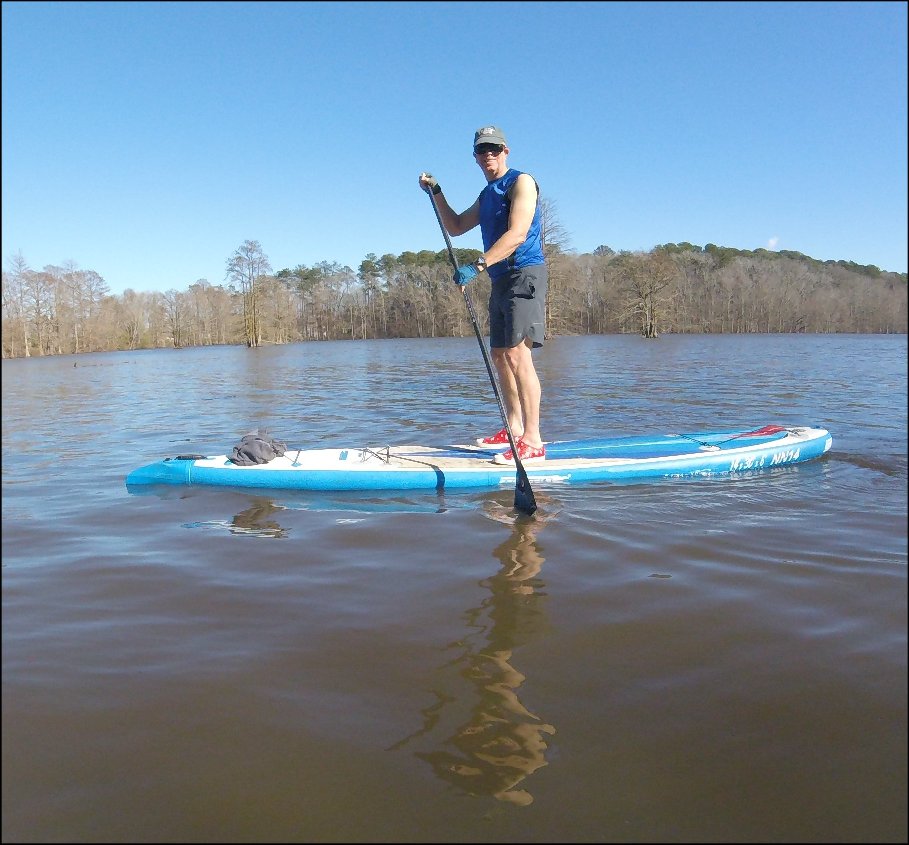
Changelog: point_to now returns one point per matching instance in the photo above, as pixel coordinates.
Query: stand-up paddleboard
(456, 466)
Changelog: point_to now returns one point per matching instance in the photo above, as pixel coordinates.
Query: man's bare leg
(510, 396)
(521, 386)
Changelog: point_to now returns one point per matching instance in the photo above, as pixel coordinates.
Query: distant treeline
(679, 288)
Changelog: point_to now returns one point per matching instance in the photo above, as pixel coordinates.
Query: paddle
(524, 500)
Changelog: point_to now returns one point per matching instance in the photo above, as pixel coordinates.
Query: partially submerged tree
(245, 267)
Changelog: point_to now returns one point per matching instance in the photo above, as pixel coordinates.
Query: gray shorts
(517, 307)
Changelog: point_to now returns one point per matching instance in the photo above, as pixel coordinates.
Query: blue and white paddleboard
(456, 466)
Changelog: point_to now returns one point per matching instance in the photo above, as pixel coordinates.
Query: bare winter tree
(245, 267)
(14, 310)
(555, 248)
(647, 276)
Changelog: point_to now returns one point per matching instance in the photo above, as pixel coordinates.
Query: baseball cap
(489, 135)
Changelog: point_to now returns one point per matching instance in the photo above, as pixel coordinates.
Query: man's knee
(518, 356)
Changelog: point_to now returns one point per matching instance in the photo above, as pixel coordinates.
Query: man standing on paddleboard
(508, 214)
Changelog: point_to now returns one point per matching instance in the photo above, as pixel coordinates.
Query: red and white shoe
(500, 438)
(527, 453)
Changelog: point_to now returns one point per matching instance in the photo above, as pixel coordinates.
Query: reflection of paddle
(523, 495)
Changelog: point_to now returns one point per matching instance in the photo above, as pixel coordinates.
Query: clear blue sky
(147, 141)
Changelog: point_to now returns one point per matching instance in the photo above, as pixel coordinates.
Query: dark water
(716, 660)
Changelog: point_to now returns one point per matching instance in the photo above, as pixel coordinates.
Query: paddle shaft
(524, 500)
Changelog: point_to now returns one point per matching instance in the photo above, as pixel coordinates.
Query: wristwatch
(480, 263)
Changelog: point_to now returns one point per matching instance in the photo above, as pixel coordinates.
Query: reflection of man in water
(502, 742)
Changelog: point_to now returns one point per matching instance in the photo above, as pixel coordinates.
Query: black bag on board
(256, 449)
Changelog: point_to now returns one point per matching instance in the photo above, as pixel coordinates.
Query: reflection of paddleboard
(439, 467)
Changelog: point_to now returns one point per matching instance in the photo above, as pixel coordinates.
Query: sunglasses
(482, 149)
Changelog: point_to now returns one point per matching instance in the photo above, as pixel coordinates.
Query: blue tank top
(495, 206)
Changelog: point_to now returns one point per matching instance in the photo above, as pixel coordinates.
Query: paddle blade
(524, 500)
